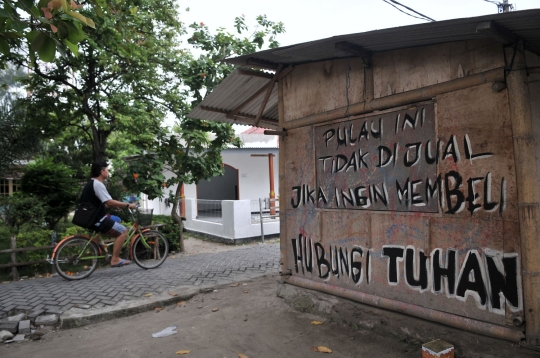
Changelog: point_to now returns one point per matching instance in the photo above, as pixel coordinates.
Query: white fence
(232, 220)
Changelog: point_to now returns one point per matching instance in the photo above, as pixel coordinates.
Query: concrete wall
(235, 226)
(414, 203)
(253, 177)
(253, 172)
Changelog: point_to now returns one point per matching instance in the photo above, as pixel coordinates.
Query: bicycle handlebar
(133, 211)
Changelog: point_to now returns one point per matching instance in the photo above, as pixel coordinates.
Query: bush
(5, 234)
(171, 230)
(72, 230)
(54, 185)
(34, 238)
(19, 209)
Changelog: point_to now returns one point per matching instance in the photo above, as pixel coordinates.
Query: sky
(317, 19)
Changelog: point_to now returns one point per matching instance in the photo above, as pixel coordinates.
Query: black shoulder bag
(85, 215)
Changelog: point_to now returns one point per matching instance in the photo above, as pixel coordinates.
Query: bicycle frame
(133, 232)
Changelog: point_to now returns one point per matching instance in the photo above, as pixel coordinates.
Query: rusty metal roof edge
(217, 98)
(262, 55)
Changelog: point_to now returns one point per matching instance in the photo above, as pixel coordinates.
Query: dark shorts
(112, 228)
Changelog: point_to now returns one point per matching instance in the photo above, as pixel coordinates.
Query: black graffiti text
(341, 163)
(339, 262)
(304, 194)
(492, 279)
(362, 196)
(457, 199)
(408, 154)
(347, 135)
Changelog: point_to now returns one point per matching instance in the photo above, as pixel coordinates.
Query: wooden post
(272, 192)
(182, 202)
(282, 192)
(527, 188)
(14, 271)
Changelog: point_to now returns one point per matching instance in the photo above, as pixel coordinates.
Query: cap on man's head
(97, 167)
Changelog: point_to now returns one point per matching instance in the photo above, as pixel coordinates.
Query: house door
(220, 188)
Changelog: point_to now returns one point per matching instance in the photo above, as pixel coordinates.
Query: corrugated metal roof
(524, 24)
(232, 92)
(240, 85)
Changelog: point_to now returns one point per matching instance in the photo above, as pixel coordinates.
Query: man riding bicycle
(96, 193)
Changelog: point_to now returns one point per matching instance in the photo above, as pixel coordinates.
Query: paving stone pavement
(108, 286)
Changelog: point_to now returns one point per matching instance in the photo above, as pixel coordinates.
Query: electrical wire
(424, 17)
(416, 12)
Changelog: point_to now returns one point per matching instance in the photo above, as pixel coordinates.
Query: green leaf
(4, 13)
(76, 34)
(73, 47)
(35, 11)
(11, 35)
(27, 3)
(19, 26)
(47, 50)
(61, 51)
(4, 46)
(63, 30)
(31, 35)
(134, 10)
(98, 9)
(44, 20)
(9, 3)
(38, 41)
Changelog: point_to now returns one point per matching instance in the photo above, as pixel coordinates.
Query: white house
(247, 173)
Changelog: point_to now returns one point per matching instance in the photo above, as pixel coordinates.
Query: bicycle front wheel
(76, 258)
(150, 249)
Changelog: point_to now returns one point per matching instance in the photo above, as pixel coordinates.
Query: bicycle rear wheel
(154, 253)
(76, 258)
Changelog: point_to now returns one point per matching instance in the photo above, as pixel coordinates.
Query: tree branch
(54, 78)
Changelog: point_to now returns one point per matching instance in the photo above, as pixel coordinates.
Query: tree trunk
(176, 217)
(99, 144)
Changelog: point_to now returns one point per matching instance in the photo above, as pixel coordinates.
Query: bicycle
(76, 257)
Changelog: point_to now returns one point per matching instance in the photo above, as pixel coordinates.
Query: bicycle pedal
(108, 257)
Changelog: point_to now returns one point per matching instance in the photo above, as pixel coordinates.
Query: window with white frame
(9, 186)
(4, 187)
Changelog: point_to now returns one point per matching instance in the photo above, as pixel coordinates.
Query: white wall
(253, 177)
(236, 223)
(253, 172)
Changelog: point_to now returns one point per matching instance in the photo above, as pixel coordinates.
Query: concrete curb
(77, 317)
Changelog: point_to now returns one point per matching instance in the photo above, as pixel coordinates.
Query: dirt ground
(250, 319)
(197, 246)
(243, 318)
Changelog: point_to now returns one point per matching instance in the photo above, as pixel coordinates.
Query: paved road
(108, 286)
